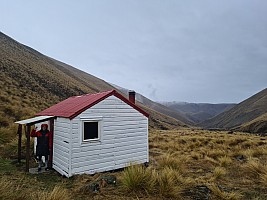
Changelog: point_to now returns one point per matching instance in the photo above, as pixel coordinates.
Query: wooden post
(19, 142)
(51, 121)
(28, 129)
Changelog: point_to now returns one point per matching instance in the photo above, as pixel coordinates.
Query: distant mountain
(31, 81)
(244, 115)
(157, 107)
(198, 112)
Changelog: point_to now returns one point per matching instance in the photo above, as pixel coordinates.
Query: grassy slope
(242, 113)
(227, 166)
(27, 75)
(258, 125)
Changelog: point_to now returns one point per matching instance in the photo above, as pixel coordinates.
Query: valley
(187, 161)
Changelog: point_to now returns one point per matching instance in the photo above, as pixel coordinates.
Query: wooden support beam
(50, 164)
(28, 130)
(19, 142)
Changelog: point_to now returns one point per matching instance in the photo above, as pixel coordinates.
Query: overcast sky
(168, 50)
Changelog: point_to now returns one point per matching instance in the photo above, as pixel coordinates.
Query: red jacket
(39, 134)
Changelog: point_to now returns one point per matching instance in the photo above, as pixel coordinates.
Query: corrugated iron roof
(73, 106)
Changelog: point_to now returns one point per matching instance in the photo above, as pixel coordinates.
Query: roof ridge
(73, 106)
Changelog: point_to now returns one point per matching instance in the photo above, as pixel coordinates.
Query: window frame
(99, 120)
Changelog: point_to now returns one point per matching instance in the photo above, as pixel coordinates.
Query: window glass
(90, 130)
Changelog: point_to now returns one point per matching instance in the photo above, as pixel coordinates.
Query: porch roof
(34, 120)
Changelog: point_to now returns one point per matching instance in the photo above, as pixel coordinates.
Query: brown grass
(180, 161)
(58, 193)
(225, 195)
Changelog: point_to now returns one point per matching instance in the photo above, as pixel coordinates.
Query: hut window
(91, 130)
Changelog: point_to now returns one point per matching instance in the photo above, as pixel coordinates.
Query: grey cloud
(196, 51)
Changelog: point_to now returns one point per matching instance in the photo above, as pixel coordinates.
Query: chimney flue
(132, 96)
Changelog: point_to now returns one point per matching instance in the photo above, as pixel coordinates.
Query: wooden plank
(62, 141)
(28, 129)
(126, 147)
(78, 153)
(125, 143)
(122, 135)
(124, 123)
(60, 156)
(85, 157)
(93, 171)
(59, 170)
(61, 138)
(61, 148)
(87, 166)
(51, 121)
(122, 132)
(94, 161)
(65, 130)
(120, 127)
(130, 151)
(62, 124)
(19, 142)
(122, 119)
(126, 161)
(61, 164)
(131, 156)
(61, 153)
(124, 140)
(63, 120)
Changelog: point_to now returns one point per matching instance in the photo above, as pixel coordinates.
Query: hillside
(242, 113)
(198, 112)
(258, 125)
(31, 81)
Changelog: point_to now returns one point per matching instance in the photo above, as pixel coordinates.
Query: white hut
(97, 132)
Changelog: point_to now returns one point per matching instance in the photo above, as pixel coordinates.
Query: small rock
(200, 192)
(240, 158)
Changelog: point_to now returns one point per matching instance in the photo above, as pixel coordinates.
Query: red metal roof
(73, 106)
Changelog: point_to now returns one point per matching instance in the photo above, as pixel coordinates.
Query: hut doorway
(28, 123)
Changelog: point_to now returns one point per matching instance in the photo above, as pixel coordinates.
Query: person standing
(44, 144)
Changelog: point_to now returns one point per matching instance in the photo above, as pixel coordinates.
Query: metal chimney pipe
(132, 96)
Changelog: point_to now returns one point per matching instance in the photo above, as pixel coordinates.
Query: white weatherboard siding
(61, 146)
(123, 139)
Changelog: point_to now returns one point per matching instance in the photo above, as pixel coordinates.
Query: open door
(27, 124)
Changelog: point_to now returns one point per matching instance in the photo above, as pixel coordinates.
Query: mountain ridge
(242, 113)
(198, 112)
(157, 106)
(31, 81)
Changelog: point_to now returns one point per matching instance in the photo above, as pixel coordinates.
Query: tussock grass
(219, 172)
(171, 161)
(255, 168)
(216, 153)
(196, 155)
(211, 160)
(58, 193)
(225, 161)
(263, 179)
(10, 190)
(138, 178)
(180, 161)
(7, 133)
(11, 148)
(225, 195)
(167, 183)
(259, 152)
